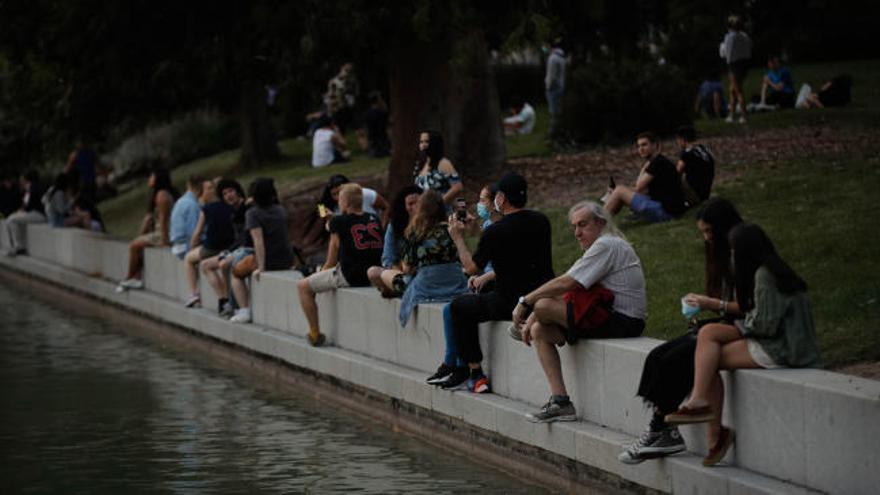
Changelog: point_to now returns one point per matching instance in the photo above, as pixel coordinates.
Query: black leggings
(468, 311)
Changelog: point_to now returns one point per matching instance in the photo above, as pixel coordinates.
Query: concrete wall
(795, 428)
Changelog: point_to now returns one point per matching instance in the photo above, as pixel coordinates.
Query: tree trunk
(258, 144)
(448, 87)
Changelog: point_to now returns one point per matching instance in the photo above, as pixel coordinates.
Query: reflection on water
(86, 408)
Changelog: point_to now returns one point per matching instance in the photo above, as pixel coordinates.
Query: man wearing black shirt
(657, 196)
(696, 164)
(356, 243)
(519, 248)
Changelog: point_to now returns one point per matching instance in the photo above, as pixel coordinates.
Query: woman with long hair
(775, 332)
(434, 171)
(402, 209)
(154, 227)
(668, 372)
(266, 223)
(431, 270)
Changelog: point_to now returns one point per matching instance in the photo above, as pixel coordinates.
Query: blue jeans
(451, 357)
(554, 97)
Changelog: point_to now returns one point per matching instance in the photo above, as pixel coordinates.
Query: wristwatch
(522, 300)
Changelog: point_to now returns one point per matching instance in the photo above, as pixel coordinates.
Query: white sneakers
(242, 315)
(130, 283)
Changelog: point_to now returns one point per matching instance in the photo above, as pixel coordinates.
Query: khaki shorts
(327, 280)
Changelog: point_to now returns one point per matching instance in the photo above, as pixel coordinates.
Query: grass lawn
(824, 228)
(817, 211)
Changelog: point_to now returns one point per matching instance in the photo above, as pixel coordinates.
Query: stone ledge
(796, 435)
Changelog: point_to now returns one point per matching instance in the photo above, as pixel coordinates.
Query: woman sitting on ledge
(267, 225)
(431, 269)
(668, 372)
(154, 228)
(402, 210)
(777, 332)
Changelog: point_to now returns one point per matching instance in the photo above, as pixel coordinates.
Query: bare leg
(545, 338)
(620, 196)
(225, 269)
(722, 347)
(239, 288)
(374, 273)
(308, 305)
(190, 261)
(387, 277)
(210, 266)
(136, 257)
(716, 402)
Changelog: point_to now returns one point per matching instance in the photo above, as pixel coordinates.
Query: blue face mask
(689, 311)
(482, 211)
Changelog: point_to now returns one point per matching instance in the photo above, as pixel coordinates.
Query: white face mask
(497, 204)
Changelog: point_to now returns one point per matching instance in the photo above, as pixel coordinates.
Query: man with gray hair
(601, 296)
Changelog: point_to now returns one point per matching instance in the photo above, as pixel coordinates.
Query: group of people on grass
(415, 249)
(778, 90)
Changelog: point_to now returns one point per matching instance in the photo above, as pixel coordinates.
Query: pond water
(88, 407)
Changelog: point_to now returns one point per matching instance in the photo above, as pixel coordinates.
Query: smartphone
(611, 183)
(461, 209)
(322, 210)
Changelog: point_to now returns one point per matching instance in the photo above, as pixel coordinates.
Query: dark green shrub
(519, 81)
(613, 101)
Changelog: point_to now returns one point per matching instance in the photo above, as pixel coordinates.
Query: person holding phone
(356, 240)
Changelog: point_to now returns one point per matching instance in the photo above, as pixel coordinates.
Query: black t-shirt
(665, 187)
(699, 169)
(273, 221)
(520, 249)
(360, 245)
(219, 232)
(242, 236)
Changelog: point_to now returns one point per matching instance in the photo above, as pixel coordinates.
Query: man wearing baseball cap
(519, 248)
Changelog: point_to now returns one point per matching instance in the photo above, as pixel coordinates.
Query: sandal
(687, 415)
(719, 450)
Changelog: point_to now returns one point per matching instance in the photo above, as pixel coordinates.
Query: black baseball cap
(515, 188)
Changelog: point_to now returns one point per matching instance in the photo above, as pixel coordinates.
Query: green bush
(613, 101)
(193, 135)
(519, 81)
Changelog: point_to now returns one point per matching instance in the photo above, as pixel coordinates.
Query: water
(87, 407)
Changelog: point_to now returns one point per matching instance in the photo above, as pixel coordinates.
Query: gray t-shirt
(612, 263)
(273, 221)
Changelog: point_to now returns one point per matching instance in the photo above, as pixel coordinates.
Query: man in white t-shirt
(328, 144)
(522, 119)
(601, 296)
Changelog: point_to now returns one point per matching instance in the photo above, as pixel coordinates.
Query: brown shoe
(686, 415)
(317, 340)
(719, 450)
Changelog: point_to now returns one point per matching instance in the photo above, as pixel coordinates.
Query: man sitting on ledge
(519, 248)
(356, 242)
(601, 296)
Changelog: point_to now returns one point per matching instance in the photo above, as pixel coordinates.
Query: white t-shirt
(322, 148)
(612, 263)
(526, 119)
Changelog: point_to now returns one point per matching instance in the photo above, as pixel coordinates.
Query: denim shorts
(239, 254)
(649, 209)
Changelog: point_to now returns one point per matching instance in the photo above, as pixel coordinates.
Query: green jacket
(782, 324)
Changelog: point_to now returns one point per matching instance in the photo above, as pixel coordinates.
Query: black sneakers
(457, 379)
(441, 375)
